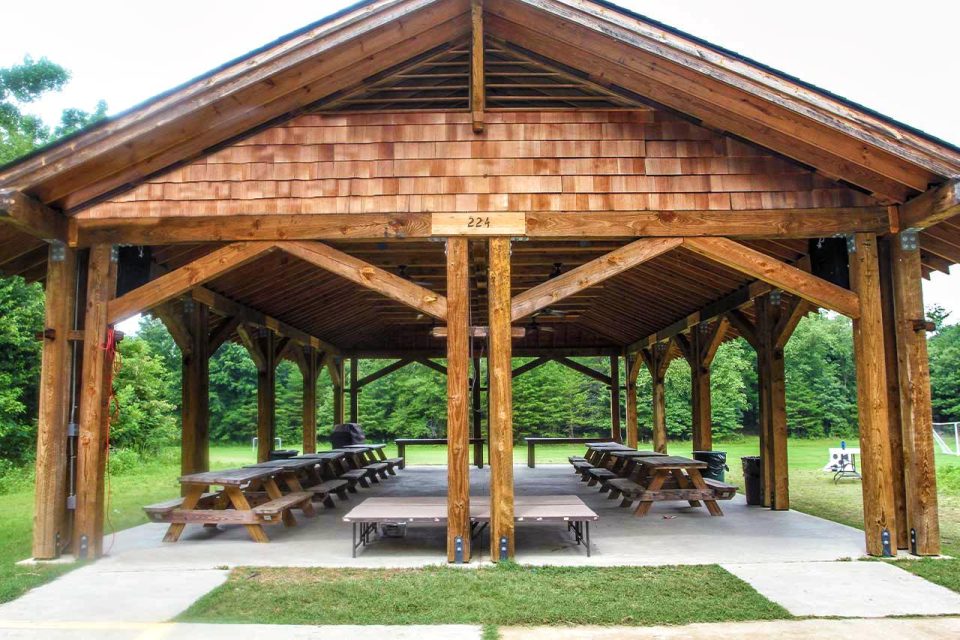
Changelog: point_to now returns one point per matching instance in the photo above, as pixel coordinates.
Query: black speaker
(829, 260)
(133, 268)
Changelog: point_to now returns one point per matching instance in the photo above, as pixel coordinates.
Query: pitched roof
(617, 49)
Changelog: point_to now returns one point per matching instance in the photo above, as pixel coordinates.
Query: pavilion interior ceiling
(674, 151)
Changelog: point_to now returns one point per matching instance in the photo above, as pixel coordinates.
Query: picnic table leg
(698, 482)
(293, 483)
(656, 483)
(402, 454)
(239, 502)
(531, 456)
(194, 493)
(274, 492)
(683, 482)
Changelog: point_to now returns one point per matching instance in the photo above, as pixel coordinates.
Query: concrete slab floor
(672, 533)
(887, 629)
(847, 589)
(90, 631)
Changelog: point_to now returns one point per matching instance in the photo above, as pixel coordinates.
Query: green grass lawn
(812, 491)
(503, 595)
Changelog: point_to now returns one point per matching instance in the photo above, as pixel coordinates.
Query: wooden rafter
(478, 89)
(529, 366)
(369, 276)
(590, 274)
(585, 370)
(933, 206)
(759, 265)
(382, 372)
(182, 280)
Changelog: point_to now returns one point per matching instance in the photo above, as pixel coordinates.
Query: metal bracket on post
(851, 243)
(115, 254)
(910, 239)
(913, 542)
(776, 297)
(504, 548)
(885, 540)
(84, 548)
(71, 503)
(58, 250)
(72, 430)
(458, 550)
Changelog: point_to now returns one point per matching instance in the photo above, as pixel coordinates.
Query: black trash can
(752, 480)
(283, 454)
(716, 464)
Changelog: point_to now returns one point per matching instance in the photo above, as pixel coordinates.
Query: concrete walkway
(847, 589)
(890, 629)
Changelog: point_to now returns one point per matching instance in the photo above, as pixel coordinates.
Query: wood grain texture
(933, 206)
(778, 274)
(50, 492)
(633, 362)
(32, 216)
(501, 398)
(590, 274)
(369, 276)
(458, 398)
(310, 371)
(920, 477)
(878, 500)
(195, 393)
(92, 442)
(176, 283)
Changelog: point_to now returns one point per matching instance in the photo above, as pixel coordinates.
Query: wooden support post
(266, 394)
(893, 390)
(477, 414)
(699, 350)
(920, 477)
(354, 390)
(500, 420)
(657, 359)
(478, 89)
(50, 495)
(338, 391)
(458, 399)
(633, 429)
(310, 371)
(195, 391)
(94, 395)
(615, 432)
(878, 502)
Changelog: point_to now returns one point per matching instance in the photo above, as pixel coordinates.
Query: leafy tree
(22, 84)
(21, 307)
(143, 418)
(944, 348)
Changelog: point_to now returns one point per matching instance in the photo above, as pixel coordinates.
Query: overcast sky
(895, 57)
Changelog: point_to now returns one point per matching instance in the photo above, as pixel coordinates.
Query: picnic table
(689, 484)
(230, 505)
(377, 454)
(403, 443)
(533, 442)
(302, 474)
(372, 512)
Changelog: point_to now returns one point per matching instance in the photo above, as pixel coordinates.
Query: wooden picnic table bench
(663, 478)
(231, 506)
(302, 474)
(363, 457)
(403, 443)
(533, 442)
(381, 456)
(372, 512)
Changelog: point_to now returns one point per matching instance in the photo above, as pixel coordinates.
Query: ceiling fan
(402, 272)
(552, 313)
(535, 327)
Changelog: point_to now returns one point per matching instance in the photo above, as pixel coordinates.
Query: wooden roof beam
(180, 281)
(32, 216)
(932, 206)
(369, 276)
(590, 274)
(478, 88)
(749, 261)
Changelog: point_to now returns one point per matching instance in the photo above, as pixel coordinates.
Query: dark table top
(229, 477)
(671, 462)
(287, 464)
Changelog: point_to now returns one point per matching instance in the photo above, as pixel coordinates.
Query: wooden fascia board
(768, 86)
(589, 274)
(933, 206)
(176, 228)
(369, 276)
(754, 263)
(31, 216)
(249, 71)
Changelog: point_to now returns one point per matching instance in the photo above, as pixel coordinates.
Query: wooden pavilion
(417, 179)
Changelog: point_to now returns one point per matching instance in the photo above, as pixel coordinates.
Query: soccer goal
(947, 435)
